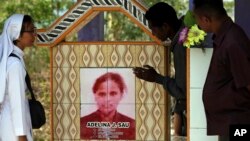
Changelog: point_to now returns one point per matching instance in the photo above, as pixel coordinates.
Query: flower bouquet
(191, 35)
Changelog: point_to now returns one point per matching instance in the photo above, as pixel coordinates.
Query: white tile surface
(197, 114)
(199, 63)
(200, 135)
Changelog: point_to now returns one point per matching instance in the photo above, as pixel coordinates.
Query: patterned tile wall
(150, 98)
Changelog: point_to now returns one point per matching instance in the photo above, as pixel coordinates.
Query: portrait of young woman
(102, 119)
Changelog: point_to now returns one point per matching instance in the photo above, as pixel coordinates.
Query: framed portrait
(107, 103)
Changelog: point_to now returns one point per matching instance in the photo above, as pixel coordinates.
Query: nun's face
(28, 36)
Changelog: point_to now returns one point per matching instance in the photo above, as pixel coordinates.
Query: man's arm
(148, 73)
(171, 86)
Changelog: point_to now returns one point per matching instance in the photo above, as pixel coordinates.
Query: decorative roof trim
(132, 8)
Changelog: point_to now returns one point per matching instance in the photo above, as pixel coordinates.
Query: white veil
(11, 32)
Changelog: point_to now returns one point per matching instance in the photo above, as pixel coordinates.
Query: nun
(18, 33)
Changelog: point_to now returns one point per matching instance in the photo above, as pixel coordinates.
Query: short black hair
(161, 13)
(27, 19)
(211, 8)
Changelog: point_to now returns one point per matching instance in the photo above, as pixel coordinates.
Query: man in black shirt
(165, 25)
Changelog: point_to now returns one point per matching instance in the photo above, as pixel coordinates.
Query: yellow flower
(194, 37)
(188, 43)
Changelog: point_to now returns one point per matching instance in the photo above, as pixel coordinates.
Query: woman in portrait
(106, 122)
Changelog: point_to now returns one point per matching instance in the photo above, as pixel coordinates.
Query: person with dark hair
(226, 92)
(15, 122)
(165, 25)
(107, 122)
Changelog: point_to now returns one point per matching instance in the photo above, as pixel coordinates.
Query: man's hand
(146, 73)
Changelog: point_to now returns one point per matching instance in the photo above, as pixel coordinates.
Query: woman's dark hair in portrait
(110, 76)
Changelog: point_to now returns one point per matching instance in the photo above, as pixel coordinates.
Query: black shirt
(176, 86)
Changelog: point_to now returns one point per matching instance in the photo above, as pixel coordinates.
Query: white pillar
(199, 63)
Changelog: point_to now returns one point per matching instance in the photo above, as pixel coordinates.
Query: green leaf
(189, 19)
